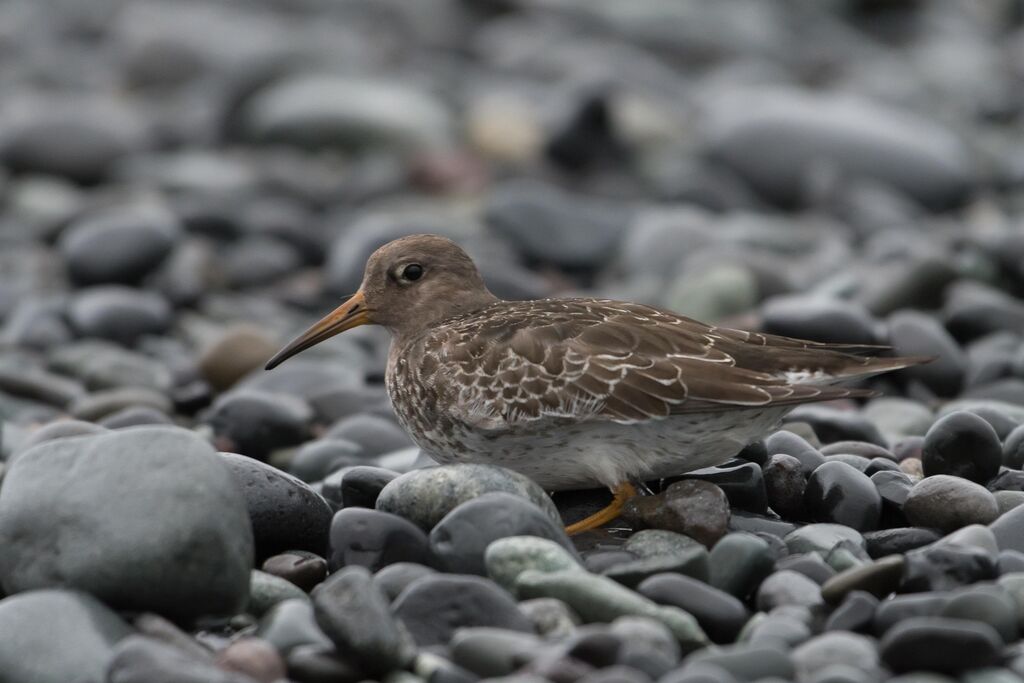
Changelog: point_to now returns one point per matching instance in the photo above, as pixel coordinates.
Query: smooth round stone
(286, 514)
(119, 314)
(317, 110)
(507, 558)
(374, 539)
(831, 425)
(361, 485)
(1007, 500)
(253, 657)
(120, 246)
(718, 613)
(787, 588)
(1013, 584)
(602, 560)
(494, 653)
(433, 607)
(1010, 562)
(939, 644)
(600, 599)
(899, 417)
(1013, 449)
(233, 354)
(1009, 530)
(809, 564)
(822, 538)
(912, 333)
(777, 629)
(118, 491)
(948, 503)
(301, 568)
(864, 449)
(60, 429)
(835, 648)
(32, 622)
(103, 365)
(986, 604)
(945, 567)
(615, 674)
(962, 444)
(819, 319)
(646, 646)
(973, 536)
(796, 446)
(135, 416)
(1007, 480)
(698, 509)
(290, 624)
(101, 404)
(876, 465)
(266, 590)
(354, 614)
(839, 494)
(551, 618)
(899, 608)
(322, 664)
(460, 539)
(547, 225)
(739, 562)
(853, 135)
(425, 496)
(394, 578)
(742, 484)
(259, 261)
(748, 662)
(879, 578)
(258, 423)
(855, 613)
(785, 482)
(374, 434)
(315, 460)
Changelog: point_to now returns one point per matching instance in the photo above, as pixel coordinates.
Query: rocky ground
(186, 185)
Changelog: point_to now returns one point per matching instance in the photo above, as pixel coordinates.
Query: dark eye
(412, 272)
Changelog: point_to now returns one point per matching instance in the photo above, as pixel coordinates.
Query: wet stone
(822, 538)
(945, 567)
(964, 445)
(742, 484)
(374, 539)
(838, 493)
(785, 483)
(302, 568)
(939, 644)
(718, 613)
(433, 607)
(459, 540)
(879, 578)
(855, 613)
(509, 557)
(696, 508)
(793, 445)
(361, 485)
(986, 604)
(809, 564)
(948, 503)
(831, 425)
(739, 562)
(899, 608)
(394, 578)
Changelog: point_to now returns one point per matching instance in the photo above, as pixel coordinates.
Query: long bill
(352, 313)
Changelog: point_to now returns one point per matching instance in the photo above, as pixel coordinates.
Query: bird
(576, 392)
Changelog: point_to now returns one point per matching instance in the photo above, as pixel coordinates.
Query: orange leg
(622, 492)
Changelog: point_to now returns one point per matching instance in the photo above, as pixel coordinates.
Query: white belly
(607, 453)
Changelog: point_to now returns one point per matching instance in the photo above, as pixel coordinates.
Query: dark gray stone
(839, 494)
(256, 423)
(941, 645)
(354, 614)
(962, 444)
(139, 659)
(720, 615)
(119, 314)
(460, 539)
(375, 539)
(286, 514)
(739, 562)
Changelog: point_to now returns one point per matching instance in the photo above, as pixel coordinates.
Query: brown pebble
(304, 569)
(253, 657)
(237, 352)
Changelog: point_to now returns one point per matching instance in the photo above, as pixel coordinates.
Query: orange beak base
(352, 313)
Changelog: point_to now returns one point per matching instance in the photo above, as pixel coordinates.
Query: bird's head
(409, 284)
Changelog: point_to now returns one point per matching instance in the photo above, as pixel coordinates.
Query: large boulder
(146, 518)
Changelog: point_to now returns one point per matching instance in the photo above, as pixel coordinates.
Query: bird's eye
(412, 272)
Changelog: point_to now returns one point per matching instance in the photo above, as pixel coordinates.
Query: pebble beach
(186, 185)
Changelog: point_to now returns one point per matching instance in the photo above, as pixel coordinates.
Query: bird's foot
(622, 493)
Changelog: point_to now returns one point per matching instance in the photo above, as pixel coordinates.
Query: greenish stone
(266, 590)
(738, 563)
(507, 558)
(599, 599)
(658, 543)
(551, 617)
(714, 294)
(691, 561)
(821, 538)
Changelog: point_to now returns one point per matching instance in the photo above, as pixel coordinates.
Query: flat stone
(720, 615)
(879, 578)
(375, 539)
(986, 604)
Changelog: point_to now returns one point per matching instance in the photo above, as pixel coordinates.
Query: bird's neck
(429, 317)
